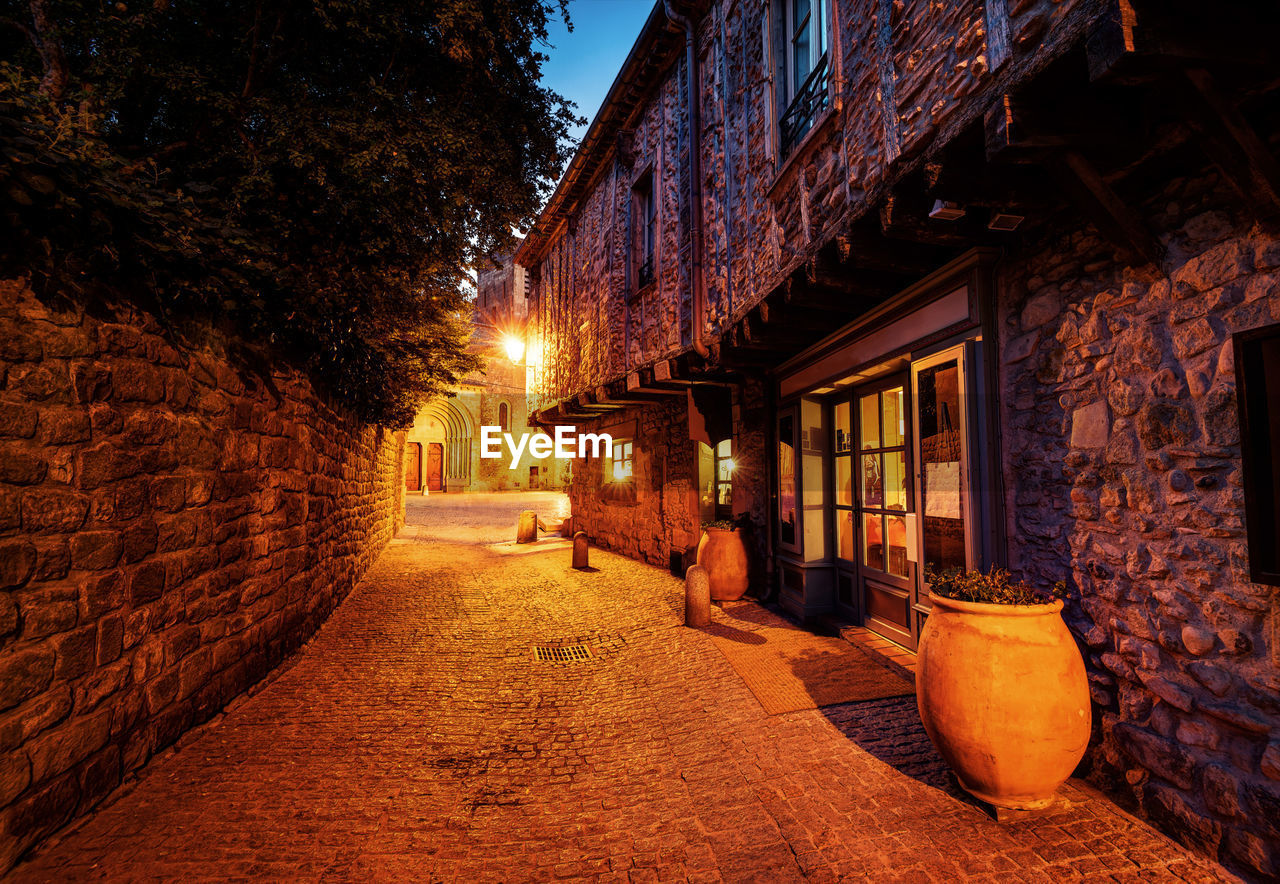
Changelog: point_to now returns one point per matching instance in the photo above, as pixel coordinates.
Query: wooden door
(413, 466)
(435, 466)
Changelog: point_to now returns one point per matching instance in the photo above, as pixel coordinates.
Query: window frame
(722, 510)
(644, 231)
(788, 88)
(622, 450)
(1259, 449)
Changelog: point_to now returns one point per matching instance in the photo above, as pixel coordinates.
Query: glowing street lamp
(515, 348)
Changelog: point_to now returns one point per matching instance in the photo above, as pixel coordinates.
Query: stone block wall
(657, 511)
(170, 529)
(1124, 477)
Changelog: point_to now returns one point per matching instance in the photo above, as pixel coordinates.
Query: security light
(944, 210)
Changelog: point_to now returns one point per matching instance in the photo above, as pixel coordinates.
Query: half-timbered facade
(915, 284)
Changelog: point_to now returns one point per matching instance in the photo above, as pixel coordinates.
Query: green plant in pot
(1001, 686)
(722, 552)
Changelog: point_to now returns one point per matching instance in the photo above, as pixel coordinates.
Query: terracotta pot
(1003, 695)
(722, 553)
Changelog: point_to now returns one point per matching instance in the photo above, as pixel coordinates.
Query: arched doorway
(447, 464)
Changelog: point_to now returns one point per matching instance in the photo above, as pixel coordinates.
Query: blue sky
(584, 63)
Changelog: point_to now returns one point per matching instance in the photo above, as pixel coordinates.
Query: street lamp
(515, 348)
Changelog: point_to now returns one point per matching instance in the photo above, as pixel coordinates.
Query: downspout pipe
(693, 104)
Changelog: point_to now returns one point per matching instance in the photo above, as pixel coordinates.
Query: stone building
(442, 448)
(1022, 258)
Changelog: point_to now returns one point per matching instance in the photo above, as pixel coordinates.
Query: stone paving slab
(415, 738)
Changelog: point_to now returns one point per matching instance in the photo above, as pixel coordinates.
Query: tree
(316, 175)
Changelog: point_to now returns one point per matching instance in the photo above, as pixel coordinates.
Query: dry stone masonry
(171, 527)
(1124, 467)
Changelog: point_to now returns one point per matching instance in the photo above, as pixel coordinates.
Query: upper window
(803, 65)
(1258, 397)
(503, 417)
(644, 225)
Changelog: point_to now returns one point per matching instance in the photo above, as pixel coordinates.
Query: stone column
(697, 596)
(527, 527)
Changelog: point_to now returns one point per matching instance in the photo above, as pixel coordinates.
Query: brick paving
(416, 738)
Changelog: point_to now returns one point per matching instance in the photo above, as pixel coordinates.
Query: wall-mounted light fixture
(945, 210)
(1004, 222)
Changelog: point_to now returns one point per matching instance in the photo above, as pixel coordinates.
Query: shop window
(801, 67)
(1258, 397)
(787, 479)
(724, 479)
(644, 225)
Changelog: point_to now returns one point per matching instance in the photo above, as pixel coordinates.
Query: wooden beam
(1231, 143)
(1140, 41)
(1113, 218)
(616, 393)
(588, 402)
(641, 381)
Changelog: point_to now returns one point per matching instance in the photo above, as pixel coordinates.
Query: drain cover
(565, 654)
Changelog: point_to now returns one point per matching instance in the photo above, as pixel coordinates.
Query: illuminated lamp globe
(514, 347)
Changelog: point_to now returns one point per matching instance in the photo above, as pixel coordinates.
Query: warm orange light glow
(515, 348)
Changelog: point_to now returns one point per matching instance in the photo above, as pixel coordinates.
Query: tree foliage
(316, 176)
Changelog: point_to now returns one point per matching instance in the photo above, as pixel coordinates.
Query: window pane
(895, 480)
(843, 440)
(724, 494)
(895, 420)
(869, 417)
(786, 480)
(845, 534)
(844, 481)
(940, 421)
(800, 56)
(872, 541)
(799, 9)
(872, 487)
(896, 531)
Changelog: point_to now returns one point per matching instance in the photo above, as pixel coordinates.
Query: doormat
(789, 669)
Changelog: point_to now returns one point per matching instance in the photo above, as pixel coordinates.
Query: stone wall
(1124, 476)
(170, 529)
(910, 73)
(656, 512)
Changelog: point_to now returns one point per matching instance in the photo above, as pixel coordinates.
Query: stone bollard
(566, 527)
(697, 596)
(527, 527)
(580, 550)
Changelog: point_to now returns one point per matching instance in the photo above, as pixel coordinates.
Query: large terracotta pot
(1003, 695)
(721, 552)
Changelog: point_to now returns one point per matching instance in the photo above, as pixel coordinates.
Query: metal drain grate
(566, 654)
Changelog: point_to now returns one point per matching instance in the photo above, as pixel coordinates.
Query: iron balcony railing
(644, 275)
(810, 101)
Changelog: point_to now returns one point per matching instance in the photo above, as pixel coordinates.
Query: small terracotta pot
(1004, 697)
(722, 553)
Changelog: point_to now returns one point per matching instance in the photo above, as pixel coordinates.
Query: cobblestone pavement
(417, 738)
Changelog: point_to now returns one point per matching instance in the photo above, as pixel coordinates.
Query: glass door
(943, 472)
(878, 510)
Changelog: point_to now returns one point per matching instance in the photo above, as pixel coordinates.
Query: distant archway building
(494, 396)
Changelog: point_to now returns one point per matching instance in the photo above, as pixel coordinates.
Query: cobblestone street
(417, 737)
